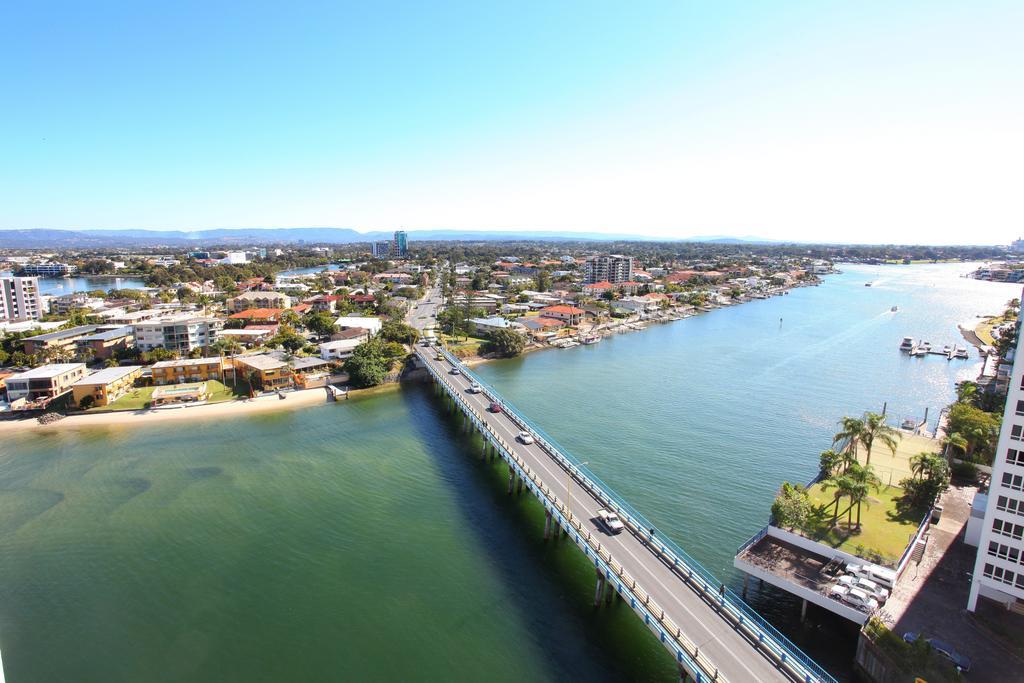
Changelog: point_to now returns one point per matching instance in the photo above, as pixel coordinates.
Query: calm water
(58, 286)
(363, 540)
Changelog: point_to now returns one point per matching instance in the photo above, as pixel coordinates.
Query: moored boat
(907, 344)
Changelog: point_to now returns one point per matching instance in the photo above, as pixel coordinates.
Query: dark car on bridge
(494, 407)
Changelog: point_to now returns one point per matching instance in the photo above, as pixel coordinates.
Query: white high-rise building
(999, 569)
(19, 299)
(610, 268)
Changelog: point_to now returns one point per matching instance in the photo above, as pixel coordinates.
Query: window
(1013, 481)
(1008, 529)
(1015, 432)
(1011, 505)
(1000, 574)
(1020, 407)
(1014, 457)
(1004, 552)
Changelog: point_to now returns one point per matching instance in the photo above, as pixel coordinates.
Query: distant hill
(40, 238)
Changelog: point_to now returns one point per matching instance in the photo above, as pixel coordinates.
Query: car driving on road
(474, 388)
(611, 521)
(525, 437)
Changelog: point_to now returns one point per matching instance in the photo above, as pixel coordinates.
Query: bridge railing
(686, 650)
(767, 635)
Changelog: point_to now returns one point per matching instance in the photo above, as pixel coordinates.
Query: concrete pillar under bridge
(599, 589)
(519, 486)
(547, 524)
(511, 479)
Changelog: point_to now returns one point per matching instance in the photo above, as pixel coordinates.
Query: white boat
(591, 339)
(909, 424)
(907, 344)
(961, 354)
(925, 346)
(947, 349)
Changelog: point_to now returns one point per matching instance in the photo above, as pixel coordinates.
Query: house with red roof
(598, 288)
(262, 315)
(567, 314)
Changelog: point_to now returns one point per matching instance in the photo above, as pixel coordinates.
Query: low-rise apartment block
(60, 340)
(107, 385)
(104, 343)
(257, 299)
(266, 372)
(188, 370)
(44, 383)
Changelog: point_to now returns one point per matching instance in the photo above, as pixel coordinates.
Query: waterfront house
(188, 370)
(261, 315)
(265, 371)
(485, 326)
(43, 384)
(567, 314)
(107, 385)
(597, 289)
(247, 336)
(339, 349)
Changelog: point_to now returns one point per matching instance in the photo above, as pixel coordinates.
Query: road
(729, 649)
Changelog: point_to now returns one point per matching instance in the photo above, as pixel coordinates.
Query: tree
(320, 323)
(371, 361)
(399, 332)
(843, 486)
(506, 343)
(849, 436)
(875, 428)
(979, 429)
(87, 402)
(829, 461)
(862, 479)
(792, 507)
(966, 391)
(931, 477)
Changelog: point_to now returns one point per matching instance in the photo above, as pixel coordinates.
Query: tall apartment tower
(381, 249)
(612, 268)
(19, 299)
(400, 246)
(999, 568)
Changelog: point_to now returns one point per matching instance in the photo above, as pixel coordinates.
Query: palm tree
(850, 435)
(920, 464)
(862, 480)
(956, 442)
(843, 485)
(876, 428)
(965, 391)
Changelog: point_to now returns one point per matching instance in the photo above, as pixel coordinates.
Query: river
(59, 286)
(363, 541)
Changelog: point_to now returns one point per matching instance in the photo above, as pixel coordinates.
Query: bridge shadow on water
(549, 583)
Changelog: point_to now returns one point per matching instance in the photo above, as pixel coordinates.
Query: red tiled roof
(567, 310)
(604, 284)
(301, 308)
(257, 313)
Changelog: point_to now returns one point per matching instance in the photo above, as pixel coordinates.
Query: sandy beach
(271, 403)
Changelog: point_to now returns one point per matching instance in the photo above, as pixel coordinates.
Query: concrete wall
(813, 546)
(801, 591)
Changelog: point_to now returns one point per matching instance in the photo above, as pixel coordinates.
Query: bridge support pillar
(599, 590)
(519, 486)
(511, 480)
(803, 611)
(609, 592)
(746, 582)
(547, 525)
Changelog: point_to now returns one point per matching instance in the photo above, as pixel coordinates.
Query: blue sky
(812, 121)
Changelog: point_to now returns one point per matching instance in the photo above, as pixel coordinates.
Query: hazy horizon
(874, 123)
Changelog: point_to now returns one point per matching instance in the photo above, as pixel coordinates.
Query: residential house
(371, 324)
(567, 314)
(265, 371)
(485, 326)
(339, 349)
(107, 385)
(597, 289)
(58, 341)
(260, 315)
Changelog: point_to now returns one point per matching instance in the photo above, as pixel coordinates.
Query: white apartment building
(999, 569)
(19, 299)
(609, 268)
(177, 333)
(258, 299)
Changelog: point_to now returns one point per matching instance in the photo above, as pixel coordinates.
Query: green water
(365, 540)
(357, 541)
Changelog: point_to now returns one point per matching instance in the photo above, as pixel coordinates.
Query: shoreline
(295, 400)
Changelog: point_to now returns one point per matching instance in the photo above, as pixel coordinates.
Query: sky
(841, 122)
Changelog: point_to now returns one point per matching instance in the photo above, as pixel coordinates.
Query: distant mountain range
(83, 239)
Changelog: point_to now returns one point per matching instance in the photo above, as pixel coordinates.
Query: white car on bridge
(474, 388)
(525, 437)
(611, 521)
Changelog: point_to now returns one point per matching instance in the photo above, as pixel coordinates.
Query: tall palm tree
(862, 479)
(850, 435)
(875, 428)
(955, 442)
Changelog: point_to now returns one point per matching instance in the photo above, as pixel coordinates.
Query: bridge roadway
(709, 637)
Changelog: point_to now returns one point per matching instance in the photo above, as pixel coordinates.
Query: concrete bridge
(712, 634)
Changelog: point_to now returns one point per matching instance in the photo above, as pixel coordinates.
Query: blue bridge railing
(769, 636)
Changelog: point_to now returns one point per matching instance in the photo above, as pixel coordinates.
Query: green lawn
(461, 346)
(139, 397)
(887, 525)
